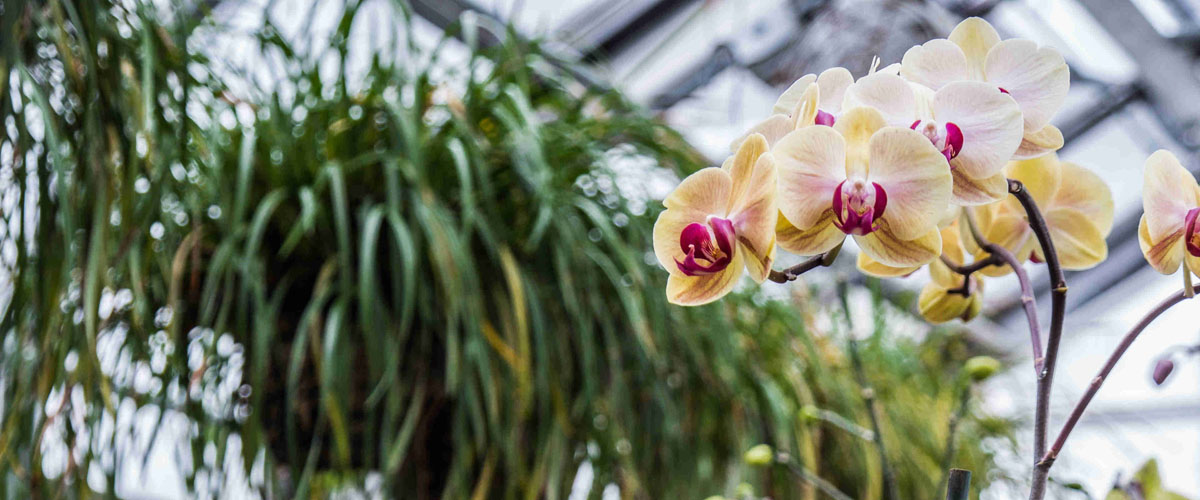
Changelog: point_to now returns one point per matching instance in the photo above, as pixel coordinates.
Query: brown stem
(790, 274)
(1028, 303)
(1058, 308)
(1042, 469)
(952, 431)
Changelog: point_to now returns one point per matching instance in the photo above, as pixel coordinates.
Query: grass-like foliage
(433, 278)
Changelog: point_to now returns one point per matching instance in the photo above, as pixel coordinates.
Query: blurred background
(197, 300)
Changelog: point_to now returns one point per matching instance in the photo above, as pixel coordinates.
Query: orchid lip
(1191, 232)
(709, 248)
(824, 118)
(948, 138)
(857, 209)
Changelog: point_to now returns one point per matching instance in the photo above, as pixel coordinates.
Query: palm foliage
(434, 273)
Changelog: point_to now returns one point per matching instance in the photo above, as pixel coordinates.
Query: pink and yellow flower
(885, 186)
(1075, 202)
(1169, 232)
(1036, 77)
(811, 100)
(975, 126)
(718, 222)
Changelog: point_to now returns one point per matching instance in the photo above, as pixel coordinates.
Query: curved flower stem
(890, 490)
(807, 476)
(1042, 470)
(1058, 308)
(1028, 302)
(790, 274)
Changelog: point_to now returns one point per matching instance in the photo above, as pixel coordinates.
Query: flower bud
(758, 456)
(744, 490)
(1162, 370)
(809, 413)
(980, 368)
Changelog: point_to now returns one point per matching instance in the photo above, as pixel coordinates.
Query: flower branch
(1058, 306)
(790, 274)
(1042, 469)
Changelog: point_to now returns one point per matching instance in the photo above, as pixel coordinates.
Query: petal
(889, 94)
(744, 166)
(820, 238)
(667, 229)
(1168, 192)
(698, 290)
(772, 129)
(1084, 191)
(1165, 254)
(934, 64)
(884, 247)
(1077, 240)
(811, 163)
(833, 83)
(754, 217)
(1037, 78)
(787, 102)
(1038, 142)
(805, 112)
(872, 267)
(891, 69)
(1193, 264)
(970, 191)
(938, 305)
(706, 192)
(1007, 229)
(857, 125)
(1041, 176)
(975, 37)
(952, 250)
(915, 177)
(990, 122)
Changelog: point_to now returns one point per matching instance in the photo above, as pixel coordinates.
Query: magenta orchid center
(709, 247)
(857, 206)
(1191, 232)
(824, 118)
(947, 137)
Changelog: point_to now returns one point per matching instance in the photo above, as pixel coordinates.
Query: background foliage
(431, 279)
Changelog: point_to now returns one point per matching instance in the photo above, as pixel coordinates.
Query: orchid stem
(1058, 307)
(807, 476)
(868, 394)
(790, 274)
(1042, 469)
(1028, 301)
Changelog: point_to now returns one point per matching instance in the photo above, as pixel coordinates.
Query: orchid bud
(809, 413)
(980, 368)
(1162, 370)
(758, 456)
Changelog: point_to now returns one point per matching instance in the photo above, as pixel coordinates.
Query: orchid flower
(1036, 77)
(1169, 232)
(975, 126)
(941, 299)
(811, 100)
(1075, 202)
(885, 186)
(718, 222)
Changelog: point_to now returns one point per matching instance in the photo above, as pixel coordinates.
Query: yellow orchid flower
(975, 126)
(1169, 233)
(811, 100)
(1036, 77)
(885, 186)
(718, 222)
(871, 267)
(1075, 202)
(943, 298)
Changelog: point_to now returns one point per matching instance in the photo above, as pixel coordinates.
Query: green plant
(436, 271)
